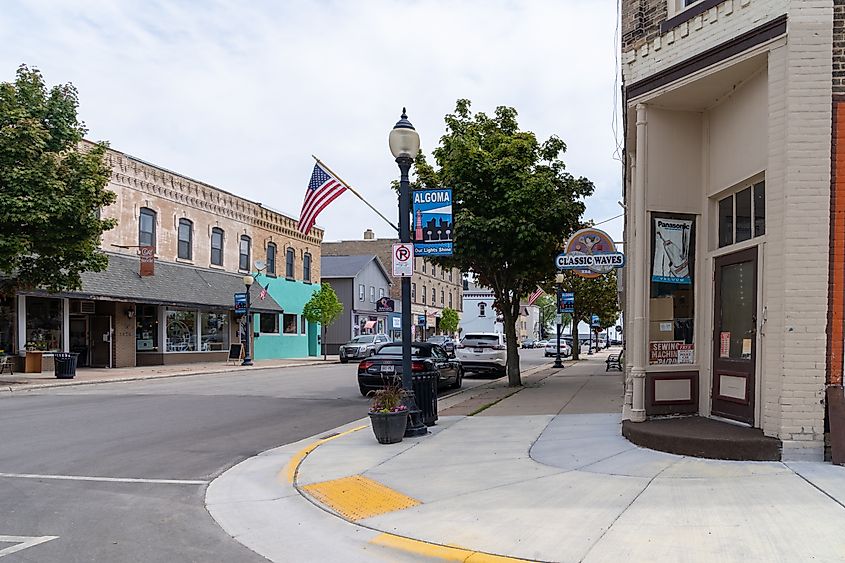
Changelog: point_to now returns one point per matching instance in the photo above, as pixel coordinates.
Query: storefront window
(181, 331)
(214, 331)
(742, 215)
(43, 323)
(290, 324)
(269, 323)
(146, 328)
(7, 320)
(671, 303)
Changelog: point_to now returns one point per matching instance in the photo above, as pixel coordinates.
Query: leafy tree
(596, 296)
(449, 321)
(51, 190)
(324, 308)
(514, 206)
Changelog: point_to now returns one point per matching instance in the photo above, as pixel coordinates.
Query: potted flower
(388, 415)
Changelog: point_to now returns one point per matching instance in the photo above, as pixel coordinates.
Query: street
(118, 472)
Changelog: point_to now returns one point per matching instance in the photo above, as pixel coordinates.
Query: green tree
(449, 321)
(596, 296)
(51, 190)
(514, 206)
(324, 308)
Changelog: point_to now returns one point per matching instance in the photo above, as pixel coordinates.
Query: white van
(483, 352)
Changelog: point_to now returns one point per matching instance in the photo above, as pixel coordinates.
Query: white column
(65, 325)
(21, 323)
(639, 283)
(631, 273)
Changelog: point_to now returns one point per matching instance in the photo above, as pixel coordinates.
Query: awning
(173, 284)
(369, 324)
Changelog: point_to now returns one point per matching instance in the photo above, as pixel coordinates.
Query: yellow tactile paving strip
(444, 552)
(356, 498)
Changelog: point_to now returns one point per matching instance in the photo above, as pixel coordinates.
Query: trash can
(65, 365)
(425, 392)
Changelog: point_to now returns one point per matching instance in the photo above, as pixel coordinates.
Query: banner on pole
(433, 226)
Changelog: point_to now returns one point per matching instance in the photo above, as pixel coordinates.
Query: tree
(449, 321)
(324, 308)
(51, 190)
(514, 206)
(596, 296)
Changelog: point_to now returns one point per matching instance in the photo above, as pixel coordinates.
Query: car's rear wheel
(364, 391)
(344, 361)
(458, 380)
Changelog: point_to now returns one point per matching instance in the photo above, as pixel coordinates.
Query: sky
(241, 94)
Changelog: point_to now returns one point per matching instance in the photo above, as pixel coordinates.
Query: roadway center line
(104, 479)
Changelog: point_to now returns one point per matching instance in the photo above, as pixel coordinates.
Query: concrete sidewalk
(25, 381)
(539, 475)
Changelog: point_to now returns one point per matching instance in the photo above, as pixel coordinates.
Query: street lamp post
(248, 281)
(404, 145)
(559, 281)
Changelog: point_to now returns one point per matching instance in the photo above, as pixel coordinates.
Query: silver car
(362, 347)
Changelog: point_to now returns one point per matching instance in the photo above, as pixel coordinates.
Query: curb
(73, 383)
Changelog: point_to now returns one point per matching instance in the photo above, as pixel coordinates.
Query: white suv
(483, 351)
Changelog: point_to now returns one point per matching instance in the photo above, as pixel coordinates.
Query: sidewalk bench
(614, 361)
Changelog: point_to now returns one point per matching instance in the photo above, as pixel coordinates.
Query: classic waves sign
(591, 253)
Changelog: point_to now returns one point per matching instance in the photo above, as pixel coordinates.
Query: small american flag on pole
(323, 189)
(262, 294)
(535, 296)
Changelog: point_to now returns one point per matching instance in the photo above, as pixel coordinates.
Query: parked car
(551, 349)
(541, 343)
(443, 340)
(362, 346)
(385, 367)
(528, 343)
(483, 352)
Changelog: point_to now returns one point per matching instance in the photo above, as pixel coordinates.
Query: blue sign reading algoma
(433, 226)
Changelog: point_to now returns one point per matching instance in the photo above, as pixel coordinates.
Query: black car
(443, 340)
(385, 367)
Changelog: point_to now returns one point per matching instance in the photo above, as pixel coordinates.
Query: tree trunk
(323, 343)
(576, 344)
(514, 378)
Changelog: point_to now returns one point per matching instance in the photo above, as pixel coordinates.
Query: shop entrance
(100, 339)
(735, 335)
(79, 341)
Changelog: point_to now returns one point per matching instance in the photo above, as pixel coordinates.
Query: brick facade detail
(641, 21)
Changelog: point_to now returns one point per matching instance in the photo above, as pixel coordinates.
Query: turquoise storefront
(286, 335)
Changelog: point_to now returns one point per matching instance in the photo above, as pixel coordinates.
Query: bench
(614, 361)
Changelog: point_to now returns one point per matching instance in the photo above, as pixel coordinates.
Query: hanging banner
(671, 251)
(590, 253)
(433, 227)
(148, 260)
(566, 303)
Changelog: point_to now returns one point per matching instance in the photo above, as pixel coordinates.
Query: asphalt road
(117, 472)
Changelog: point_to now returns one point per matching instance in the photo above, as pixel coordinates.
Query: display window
(43, 324)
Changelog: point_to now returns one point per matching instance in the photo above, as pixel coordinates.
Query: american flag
(263, 293)
(535, 296)
(322, 190)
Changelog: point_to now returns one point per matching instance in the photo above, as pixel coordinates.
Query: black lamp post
(559, 282)
(404, 145)
(248, 281)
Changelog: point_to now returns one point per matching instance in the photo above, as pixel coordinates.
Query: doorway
(79, 339)
(101, 341)
(735, 336)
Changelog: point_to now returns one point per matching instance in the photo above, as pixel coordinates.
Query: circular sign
(590, 253)
(403, 254)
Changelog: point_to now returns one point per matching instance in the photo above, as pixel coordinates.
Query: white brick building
(735, 289)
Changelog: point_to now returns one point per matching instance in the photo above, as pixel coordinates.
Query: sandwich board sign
(433, 225)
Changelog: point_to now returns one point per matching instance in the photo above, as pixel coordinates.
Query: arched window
(271, 259)
(482, 309)
(147, 227)
(306, 267)
(186, 238)
(243, 257)
(289, 257)
(217, 246)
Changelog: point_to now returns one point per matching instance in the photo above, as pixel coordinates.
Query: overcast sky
(240, 94)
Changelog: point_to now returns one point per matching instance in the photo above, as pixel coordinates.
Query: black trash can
(425, 392)
(65, 364)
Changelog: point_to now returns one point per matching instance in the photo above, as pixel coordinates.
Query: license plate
(478, 350)
(388, 369)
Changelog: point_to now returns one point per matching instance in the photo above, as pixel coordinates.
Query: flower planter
(389, 427)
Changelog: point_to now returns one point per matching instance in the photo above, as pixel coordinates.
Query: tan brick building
(735, 286)
(432, 288)
(205, 240)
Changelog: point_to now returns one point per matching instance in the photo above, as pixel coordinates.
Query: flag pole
(351, 189)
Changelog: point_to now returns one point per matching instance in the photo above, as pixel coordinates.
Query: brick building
(735, 289)
(205, 240)
(432, 288)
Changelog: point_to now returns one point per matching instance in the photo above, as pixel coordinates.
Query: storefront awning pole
(640, 275)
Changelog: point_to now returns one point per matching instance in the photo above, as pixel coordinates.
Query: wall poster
(671, 251)
(670, 352)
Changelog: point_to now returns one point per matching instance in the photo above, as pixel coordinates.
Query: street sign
(240, 303)
(596, 322)
(591, 253)
(384, 305)
(421, 320)
(567, 303)
(403, 260)
(433, 225)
